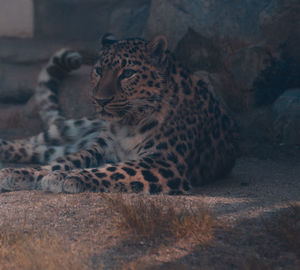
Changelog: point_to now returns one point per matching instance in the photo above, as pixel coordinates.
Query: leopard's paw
(74, 184)
(53, 182)
(58, 182)
(17, 179)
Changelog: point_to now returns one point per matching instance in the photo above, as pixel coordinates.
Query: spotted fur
(160, 129)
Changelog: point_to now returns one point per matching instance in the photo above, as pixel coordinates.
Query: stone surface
(286, 116)
(280, 25)
(248, 50)
(89, 19)
(198, 52)
(238, 41)
(223, 19)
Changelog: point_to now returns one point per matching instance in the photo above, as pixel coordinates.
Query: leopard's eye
(127, 73)
(98, 71)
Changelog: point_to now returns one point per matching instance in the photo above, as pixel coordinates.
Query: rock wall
(248, 49)
(244, 45)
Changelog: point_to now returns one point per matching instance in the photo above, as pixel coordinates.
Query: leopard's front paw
(58, 182)
(53, 182)
(73, 184)
(17, 179)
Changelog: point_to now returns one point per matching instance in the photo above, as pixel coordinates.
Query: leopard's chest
(127, 145)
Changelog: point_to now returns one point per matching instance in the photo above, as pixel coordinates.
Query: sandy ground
(256, 189)
(264, 181)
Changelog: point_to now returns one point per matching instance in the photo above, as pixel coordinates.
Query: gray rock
(286, 117)
(246, 64)
(232, 38)
(198, 52)
(280, 25)
(222, 19)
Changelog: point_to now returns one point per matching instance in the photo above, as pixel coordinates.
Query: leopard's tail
(46, 95)
(60, 136)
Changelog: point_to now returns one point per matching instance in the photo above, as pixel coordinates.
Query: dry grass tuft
(26, 251)
(286, 227)
(199, 225)
(148, 219)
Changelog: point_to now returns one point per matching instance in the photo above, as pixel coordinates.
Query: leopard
(159, 129)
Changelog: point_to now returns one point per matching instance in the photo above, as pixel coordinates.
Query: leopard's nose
(104, 101)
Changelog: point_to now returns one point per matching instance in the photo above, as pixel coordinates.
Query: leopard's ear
(108, 39)
(158, 46)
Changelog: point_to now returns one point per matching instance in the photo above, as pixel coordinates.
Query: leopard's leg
(91, 157)
(154, 178)
(12, 179)
(29, 178)
(132, 176)
(61, 136)
(148, 175)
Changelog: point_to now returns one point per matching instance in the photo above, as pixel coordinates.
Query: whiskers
(135, 110)
(143, 108)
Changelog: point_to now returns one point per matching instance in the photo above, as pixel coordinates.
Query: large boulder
(231, 20)
(236, 40)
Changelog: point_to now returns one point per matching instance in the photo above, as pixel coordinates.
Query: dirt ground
(257, 190)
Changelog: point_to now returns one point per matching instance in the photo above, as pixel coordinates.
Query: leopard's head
(129, 78)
